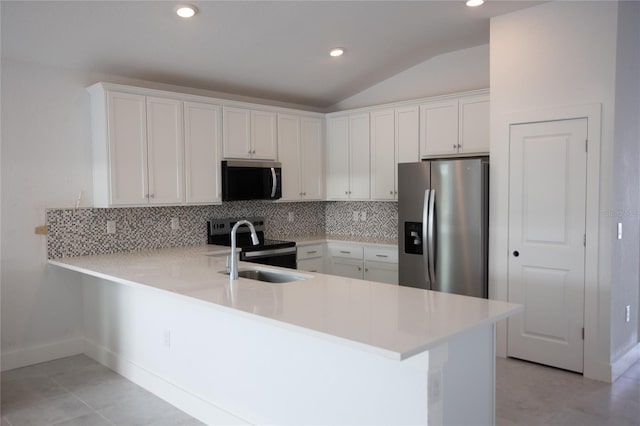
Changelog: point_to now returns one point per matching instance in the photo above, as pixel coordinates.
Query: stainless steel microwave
(251, 180)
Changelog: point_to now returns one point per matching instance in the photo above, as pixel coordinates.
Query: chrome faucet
(233, 274)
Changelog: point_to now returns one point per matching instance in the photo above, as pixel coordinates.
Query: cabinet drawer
(349, 252)
(381, 254)
(310, 251)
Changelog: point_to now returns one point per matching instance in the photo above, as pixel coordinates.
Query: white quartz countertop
(390, 320)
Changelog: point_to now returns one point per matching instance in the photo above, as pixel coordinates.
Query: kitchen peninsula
(322, 350)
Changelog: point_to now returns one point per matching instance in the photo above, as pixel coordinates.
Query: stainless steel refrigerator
(443, 221)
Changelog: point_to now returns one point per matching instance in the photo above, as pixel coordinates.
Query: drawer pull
(312, 252)
(345, 252)
(381, 255)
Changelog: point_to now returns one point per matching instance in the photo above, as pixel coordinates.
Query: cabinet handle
(349, 192)
(381, 255)
(345, 252)
(152, 195)
(249, 152)
(359, 268)
(459, 146)
(346, 192)
(254, 151)
(391, 192)
(312, 252)
(304, 193)
(366, 269)
(455, 146)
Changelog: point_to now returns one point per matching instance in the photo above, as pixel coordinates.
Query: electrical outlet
(356, 215)
(167, 338)
(363, 216)
(175, 223)
(435, 386)
(291, 217)
(111, 227)
(627, 313)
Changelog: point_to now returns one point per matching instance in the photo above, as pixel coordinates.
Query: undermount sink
(269, 276)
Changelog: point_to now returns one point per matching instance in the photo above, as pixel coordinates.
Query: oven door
(284, 257)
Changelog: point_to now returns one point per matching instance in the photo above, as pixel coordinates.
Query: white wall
(561, 54)
(46, 161)
(458, 71)
(626, 176)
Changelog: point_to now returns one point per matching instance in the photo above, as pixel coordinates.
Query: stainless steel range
(267, 252)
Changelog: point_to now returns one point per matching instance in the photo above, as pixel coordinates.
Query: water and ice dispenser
(413, 237)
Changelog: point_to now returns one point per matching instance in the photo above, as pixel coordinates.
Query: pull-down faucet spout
(233, 274)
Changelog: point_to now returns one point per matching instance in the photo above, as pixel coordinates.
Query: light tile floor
(78, 391)
(531, 394)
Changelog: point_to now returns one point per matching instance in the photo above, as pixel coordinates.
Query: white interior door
(547, 196)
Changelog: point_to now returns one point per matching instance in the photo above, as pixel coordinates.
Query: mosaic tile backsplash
(83, 231)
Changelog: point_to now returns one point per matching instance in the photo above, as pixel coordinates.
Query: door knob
(516, 253)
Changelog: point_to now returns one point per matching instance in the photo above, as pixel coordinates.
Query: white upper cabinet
(289, 148)
(311, 158)
(474, 124)
(120, 150)
(249, 134)
(458, 126)
(138, 154)
(165, 151)
(359, 174)
(338, 158)
(439, 128)
(300, 148)
(264, 140)
(153, 150)
(394, 139)
(348, 157)
(383, 155)
(203, 152)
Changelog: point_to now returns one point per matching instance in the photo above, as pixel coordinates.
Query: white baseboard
(41, 353)
(175, 395)
(619, 367)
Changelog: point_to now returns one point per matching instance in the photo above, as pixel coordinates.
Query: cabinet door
(203, 152)
(289, 148)
(474, 124)
(407, 139)
(349, 268)
(439, 128)
(359, 171)
(264, 142)
(383, 155)
(338, 158)
(311, 265)
(311, 158)
(382, 272)
(236, 133)
(165, 148)
(127, 129)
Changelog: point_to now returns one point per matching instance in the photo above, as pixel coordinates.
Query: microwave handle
(275, 182)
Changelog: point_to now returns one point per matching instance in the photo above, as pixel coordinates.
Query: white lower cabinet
(378, 264)
(311, 258)
(349, 268)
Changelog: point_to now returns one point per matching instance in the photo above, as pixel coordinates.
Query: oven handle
(268, 252)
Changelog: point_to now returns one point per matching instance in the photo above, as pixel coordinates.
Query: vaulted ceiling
(270, 49)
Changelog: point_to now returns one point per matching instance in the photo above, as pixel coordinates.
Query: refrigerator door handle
(431, 236)
(425, 236)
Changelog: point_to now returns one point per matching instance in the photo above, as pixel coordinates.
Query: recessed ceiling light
(474, 3)
(336, 51)
(186, 11)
